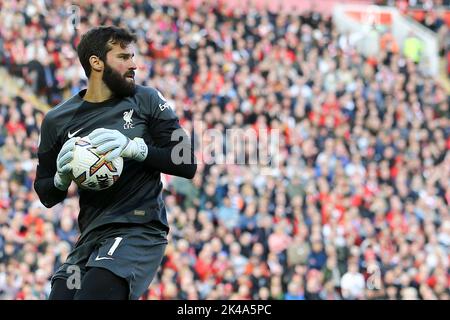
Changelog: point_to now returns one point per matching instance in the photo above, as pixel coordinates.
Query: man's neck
(97, 91)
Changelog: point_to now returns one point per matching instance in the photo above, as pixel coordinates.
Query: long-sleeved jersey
(136, 197)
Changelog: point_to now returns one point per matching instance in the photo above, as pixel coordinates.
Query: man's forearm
(161, 160)
(48, 193)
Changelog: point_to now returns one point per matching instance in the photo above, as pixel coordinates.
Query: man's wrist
(142, 149)
(136, 149)
(61, 182)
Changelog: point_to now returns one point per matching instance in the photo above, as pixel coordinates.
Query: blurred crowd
(357, 209)
(435, 15)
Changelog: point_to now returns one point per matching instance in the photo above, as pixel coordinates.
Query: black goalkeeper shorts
(131, 251)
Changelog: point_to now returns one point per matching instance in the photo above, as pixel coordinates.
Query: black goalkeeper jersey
(136, 197)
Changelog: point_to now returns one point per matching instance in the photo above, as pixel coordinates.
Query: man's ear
(96, 63)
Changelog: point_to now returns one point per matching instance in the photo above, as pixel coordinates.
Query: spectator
(228, 215)
(412, 48)
(352, 283)
(362, 178)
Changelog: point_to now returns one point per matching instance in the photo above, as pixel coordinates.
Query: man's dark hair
(98, 41)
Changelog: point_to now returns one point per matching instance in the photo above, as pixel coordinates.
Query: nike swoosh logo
(71, 135)
(103, 258)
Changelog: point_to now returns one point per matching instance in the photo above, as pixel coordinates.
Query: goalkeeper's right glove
(63, 178)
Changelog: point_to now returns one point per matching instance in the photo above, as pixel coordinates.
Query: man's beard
(117, 83)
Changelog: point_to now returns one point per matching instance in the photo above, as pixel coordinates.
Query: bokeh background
(359, 205)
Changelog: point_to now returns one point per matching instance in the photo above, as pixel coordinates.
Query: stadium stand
(357, 210)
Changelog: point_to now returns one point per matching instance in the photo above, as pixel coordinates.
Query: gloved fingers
(102, 138)
(65, 159)
(99, 132)
(66, 169)
(71, 142)
(113, 154)
(108, 146)
(68, 146)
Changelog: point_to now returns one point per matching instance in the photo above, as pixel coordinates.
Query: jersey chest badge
(127, 117)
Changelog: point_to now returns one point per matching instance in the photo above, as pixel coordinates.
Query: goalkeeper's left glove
(105, 140)
(62, 177)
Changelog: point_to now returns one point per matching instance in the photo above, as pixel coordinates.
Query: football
(90, 170)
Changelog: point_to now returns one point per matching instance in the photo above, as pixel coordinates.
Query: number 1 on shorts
(114, 246)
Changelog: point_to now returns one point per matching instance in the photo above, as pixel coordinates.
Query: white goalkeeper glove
(64, 167)
(105, 140)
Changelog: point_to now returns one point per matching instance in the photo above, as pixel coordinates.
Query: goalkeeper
(123, 228)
